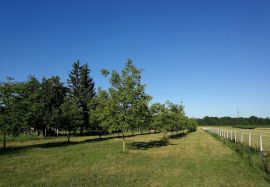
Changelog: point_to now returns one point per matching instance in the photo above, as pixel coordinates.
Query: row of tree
(252, 120)
(49, 105)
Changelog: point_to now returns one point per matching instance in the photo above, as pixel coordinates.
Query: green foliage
(223, 121)
(12, 107)
(171, 117)
(128, 103)
(102, 113)
(53, 93)
(81, 87)
(71, 115)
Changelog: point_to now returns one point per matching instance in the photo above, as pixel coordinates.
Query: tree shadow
(17, 149)
(177, 136)
(149, 144)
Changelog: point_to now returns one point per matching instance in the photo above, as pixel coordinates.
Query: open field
(254, 133)
(196, 159)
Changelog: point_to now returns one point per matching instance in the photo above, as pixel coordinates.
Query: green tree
(71, 116)
(82, 87)
(52, 93)
(101, 114)
(12, 117)
(128, 98)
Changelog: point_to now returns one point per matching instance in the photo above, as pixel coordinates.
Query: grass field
(196, 159)
(255, 135)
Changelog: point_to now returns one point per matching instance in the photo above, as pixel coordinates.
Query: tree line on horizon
(48, 106)
(234, 121)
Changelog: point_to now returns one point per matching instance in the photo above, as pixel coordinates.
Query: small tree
(72, 118)
(192, 125)
(101, 113)
(128, 98)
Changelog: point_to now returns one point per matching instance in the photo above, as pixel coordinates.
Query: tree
(12, 121)
(35, 106)
(128, 98)
(81, 87)
(156, 110)
(101, 114)
(52, 93)
(192, 125)
(72, 118)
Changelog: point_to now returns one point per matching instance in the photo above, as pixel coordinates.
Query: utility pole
(237, 121)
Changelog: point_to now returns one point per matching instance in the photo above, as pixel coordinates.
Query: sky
(214, 56)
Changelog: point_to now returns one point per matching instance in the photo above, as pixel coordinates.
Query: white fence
(256, 140)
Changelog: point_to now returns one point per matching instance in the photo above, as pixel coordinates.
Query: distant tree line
(50, 106)
(252, 120)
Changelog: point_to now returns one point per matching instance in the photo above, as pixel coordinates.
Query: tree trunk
(100, 134)
(4, 141)
(68, 135)
(81, 130)
(124, 145)
(164, 136)
(132, 133)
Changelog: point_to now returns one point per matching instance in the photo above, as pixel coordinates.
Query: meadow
(195, 159)
(254, 133)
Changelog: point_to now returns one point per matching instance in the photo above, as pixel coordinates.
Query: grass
(255, 135)
(196, 159)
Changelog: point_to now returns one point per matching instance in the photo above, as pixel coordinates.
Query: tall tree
(82, 87)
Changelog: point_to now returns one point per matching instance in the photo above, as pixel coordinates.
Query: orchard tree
(101, 114)
(192, 125)
(128, 98)
(156, 110)
(12, 117)
(71, 116)
(52, 93)
(33, 99)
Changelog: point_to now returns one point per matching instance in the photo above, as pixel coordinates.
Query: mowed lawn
(196, 159)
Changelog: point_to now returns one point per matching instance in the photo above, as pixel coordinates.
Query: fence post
(242, 138)
(249, 139)
(227, 134)
(261, 144)
(231, 135)
(235, 136)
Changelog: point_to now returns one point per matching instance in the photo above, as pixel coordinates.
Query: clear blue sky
(212, 55)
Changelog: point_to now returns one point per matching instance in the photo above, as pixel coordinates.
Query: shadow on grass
(17, 149)
(177, 136)
(149, 144)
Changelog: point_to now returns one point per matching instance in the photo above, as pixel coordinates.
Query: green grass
(196, 159)
(255, 134)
